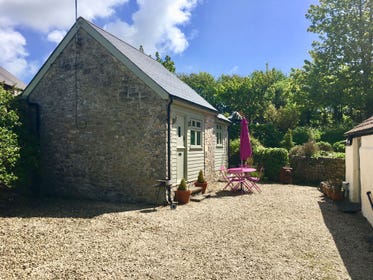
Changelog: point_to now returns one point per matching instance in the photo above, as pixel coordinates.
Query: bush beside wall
(272, 159)
(314, 170)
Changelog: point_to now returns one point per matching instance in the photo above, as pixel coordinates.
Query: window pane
(192, 138)
(198, 138)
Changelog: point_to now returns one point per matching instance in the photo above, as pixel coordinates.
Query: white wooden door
(180, 131)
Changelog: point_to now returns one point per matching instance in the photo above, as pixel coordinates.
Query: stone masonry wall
(102, 130)
(312, 170)
(210, 144)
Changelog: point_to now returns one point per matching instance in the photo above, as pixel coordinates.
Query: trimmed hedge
(272, 159)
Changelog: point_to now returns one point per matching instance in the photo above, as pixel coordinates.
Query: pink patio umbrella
(245, 145)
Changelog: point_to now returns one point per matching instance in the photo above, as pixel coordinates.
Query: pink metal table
(237, 179)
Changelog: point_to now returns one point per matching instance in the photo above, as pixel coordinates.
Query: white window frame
(195, 129)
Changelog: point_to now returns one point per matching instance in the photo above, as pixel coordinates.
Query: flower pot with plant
(201, 182)
(182, 194)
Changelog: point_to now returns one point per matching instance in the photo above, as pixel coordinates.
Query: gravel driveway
(285, 232)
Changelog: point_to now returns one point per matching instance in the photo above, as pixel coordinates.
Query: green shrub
(201, 178)
(255, 144)
(334, 134)
(234, 152)
(267, 134)
(9, 148)
(272, 159)
(310, 149)
(297, 151)
(324, 146)
(182, 186)
(303, 134)
(287, 142)
(339, 146)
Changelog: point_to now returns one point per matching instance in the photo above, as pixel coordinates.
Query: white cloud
(13, 52)
(156, 25)
(46, 15)
(56, 36)
(51, 18)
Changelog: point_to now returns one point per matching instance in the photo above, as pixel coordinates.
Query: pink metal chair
(234, 182)
(253, 180)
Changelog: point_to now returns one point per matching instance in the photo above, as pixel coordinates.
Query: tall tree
(167, 62)
(206, 86)
(341, 70)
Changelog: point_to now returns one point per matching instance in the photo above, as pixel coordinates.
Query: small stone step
(195, 190)
(199, 197)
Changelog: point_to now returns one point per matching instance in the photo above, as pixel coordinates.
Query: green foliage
(287, 117)
(272, 159)
(297, 151)
(167, 62)
(339, 146)
(267, 134)
(234, 150)
(302, 134)
(334, 134)
(9, 148)
(206, 86)
(287, 141)
(324, 146)
(201, 178)
(339, 80)
(308, 149)
(182, 186)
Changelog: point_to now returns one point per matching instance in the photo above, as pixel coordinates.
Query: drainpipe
(169, 138)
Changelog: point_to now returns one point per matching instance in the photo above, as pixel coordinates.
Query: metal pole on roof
(76, 10)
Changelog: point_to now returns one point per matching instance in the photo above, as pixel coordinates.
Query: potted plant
(182, 194)
(337, 192)
(201, 182)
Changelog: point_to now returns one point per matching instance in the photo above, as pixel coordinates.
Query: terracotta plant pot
(336, 195)
(183, 197)
(201, 185)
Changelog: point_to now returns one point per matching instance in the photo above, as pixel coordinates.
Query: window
(219, 135)
(195, 133)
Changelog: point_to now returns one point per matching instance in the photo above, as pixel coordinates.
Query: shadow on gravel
(28, 207)
(353, 236)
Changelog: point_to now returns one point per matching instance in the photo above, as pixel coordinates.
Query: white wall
(366, 175)
(194, 157)
(353, 169)
(221, 152)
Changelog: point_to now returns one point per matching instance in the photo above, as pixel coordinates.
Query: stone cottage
(112, 120)
(359, 166)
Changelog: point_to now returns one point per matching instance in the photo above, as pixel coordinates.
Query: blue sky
(214, 36)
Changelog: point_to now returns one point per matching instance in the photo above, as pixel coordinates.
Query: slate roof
(10, 80)
(364, 128)
(146, 68)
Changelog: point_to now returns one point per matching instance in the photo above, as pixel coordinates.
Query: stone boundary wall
(315, 170)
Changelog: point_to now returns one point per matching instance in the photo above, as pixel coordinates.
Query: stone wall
(313, 171)
(102, 131)
(210, 145)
